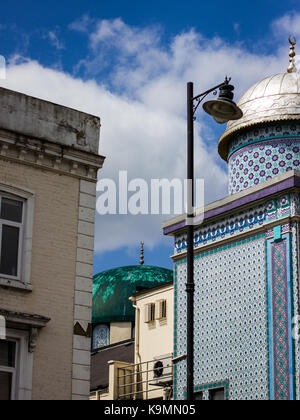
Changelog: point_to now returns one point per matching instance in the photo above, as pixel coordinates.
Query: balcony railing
(147, 380)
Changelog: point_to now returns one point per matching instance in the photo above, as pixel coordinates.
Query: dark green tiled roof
(113, 288)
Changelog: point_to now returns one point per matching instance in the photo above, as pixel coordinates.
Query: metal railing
(147, 380)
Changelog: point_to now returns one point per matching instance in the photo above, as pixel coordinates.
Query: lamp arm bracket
(198, 101)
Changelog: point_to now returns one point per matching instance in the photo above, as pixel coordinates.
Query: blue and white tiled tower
(247, 257)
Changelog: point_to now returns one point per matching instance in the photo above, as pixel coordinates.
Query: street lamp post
(222, 110)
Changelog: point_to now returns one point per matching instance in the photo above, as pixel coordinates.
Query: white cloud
(82, 25)
(143, 116)
(288, 26)
(129, 39)
(54, 40)
(237, 28)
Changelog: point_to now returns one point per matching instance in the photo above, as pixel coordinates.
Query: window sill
(15, 284)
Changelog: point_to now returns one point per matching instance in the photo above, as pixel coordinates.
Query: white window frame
(12, 370)
(22, 281)
(20, 226)
(22, 381)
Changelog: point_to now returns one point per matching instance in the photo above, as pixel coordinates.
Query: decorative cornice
(237, 201)
(23, 318)
(51, 156)
(265, 229)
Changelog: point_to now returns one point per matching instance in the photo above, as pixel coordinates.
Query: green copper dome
(113, 288)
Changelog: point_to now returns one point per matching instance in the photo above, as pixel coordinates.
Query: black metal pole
(190, 242)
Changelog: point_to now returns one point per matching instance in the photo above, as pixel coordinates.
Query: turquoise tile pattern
(262, 154)
(231, 319)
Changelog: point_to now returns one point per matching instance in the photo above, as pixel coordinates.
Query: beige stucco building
(154, 339)
(48, 171)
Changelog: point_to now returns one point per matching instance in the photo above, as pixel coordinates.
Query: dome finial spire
(142, 253)
(292, 54)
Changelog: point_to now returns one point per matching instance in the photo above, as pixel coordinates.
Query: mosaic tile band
(264, 132)
(296, 321)
(280, 291)
(280, 321)
(255, 164)
(228, 228)
(262, 153)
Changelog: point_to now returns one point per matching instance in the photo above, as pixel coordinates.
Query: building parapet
(44, 120)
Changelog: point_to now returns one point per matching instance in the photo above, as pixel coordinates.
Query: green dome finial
(142, 254)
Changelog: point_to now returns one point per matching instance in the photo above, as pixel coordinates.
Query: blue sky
(128, 62)
(26, 24)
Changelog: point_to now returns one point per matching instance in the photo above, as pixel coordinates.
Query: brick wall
(53, 273)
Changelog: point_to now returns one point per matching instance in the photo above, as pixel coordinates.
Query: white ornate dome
(273, 99)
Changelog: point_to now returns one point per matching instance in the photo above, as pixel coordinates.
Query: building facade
(116, 328)
(48, 171)
(247, 258)
(154, 320)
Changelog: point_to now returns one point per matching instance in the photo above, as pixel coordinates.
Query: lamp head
(224, 108)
